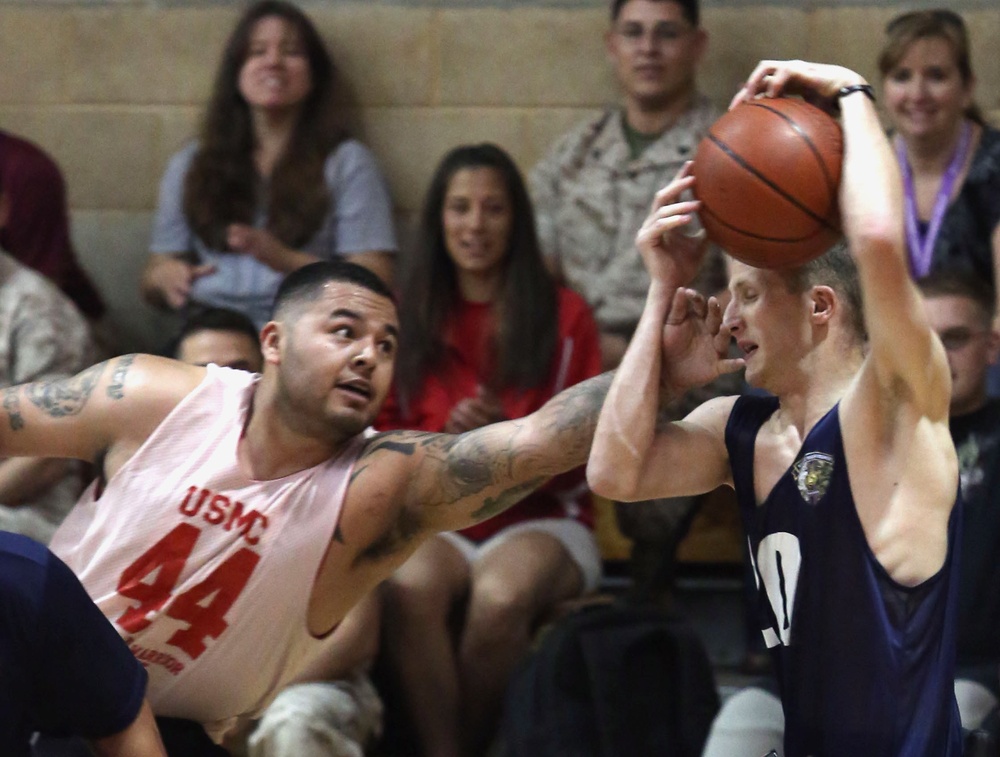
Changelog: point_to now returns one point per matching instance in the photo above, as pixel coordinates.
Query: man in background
(594, 187)
(591, 193)
(217, 335)
(43, 336)
(960, 309)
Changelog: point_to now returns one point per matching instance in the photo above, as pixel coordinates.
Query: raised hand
(671, 247)
(817, 83)
(168, 280)
(475, 412)
(695, 346)
(263, 245)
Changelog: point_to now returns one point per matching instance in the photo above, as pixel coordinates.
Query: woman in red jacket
(486, 335)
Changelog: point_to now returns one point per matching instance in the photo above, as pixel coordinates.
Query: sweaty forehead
(346, 295)
(740, 273)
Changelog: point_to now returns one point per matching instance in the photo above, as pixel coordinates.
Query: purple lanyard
(921, 248)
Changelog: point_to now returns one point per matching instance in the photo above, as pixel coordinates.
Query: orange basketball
(767, 175)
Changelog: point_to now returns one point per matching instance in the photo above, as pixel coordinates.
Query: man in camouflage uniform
(594, 188)
(42, 336)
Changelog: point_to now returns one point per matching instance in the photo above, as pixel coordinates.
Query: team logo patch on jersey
(812, 473)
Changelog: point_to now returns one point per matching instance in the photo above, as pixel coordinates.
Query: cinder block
(385, 55)
(34, 123)
(524, 57)
(32, 44)
(409, 142)
(144, 56)
(984, 31)
(112, 247)
(178, 125)
(108, 156)
(849, 37)
(741, 37)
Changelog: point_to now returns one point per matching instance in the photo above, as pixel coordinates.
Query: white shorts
(578, 540)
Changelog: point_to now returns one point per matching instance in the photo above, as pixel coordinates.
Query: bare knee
(426, 587)
(499, 611)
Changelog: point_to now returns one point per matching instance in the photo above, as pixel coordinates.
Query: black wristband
(868, 89)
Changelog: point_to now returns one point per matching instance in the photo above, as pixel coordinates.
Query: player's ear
(270, 342)
(993, 347)
(824, 304)
(610, 48)
(700, 44)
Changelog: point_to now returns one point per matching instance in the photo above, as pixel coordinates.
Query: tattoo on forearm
(116, 389)
(64, 397)
(502, 501)
(12, 404)
(472, 469)
(491, 468)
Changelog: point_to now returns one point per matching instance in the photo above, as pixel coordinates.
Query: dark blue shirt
(865, 665)
(63, 668)
(977, 441)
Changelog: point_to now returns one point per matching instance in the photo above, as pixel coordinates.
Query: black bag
(614, 680)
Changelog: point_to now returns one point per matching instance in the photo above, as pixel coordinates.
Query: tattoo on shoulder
(402, 532)
(116, 389)
(401, 442)
(12, 405)
(62, 397)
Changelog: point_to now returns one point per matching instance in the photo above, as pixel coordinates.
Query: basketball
(767, 175)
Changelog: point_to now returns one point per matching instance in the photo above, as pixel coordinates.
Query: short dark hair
(836, 269)
(306, 282)
(959, 284)
(690, 9)
(211, 319)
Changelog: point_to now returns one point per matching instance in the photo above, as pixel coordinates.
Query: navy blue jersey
(865, 665)
(63, 668)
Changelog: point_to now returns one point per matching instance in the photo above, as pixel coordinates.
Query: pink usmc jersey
(205, 572)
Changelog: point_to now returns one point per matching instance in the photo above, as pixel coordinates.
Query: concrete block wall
(112, 87)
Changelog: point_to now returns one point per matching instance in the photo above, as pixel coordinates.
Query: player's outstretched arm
(119, 401)
(679, 344)
(907, 361)
(444, 482)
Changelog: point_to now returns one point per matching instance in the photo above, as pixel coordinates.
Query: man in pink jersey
(238, 518)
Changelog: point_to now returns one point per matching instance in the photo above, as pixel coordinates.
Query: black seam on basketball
(831, 187)
(762, 238)
(754, 172)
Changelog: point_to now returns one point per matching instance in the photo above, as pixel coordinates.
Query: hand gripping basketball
(768, 177)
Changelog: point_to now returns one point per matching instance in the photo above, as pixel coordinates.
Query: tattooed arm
(105, 409)
(445, 482)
